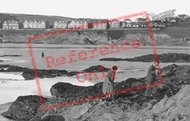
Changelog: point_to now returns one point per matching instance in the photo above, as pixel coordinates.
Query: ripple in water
(7, 61)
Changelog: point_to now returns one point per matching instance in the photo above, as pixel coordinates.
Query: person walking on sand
(42, 55)
(108, 85)
(151, 78)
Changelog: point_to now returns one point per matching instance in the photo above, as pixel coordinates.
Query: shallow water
(126, 69)
(26, 59)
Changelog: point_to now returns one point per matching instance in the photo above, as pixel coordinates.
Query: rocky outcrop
(24, 108)
(165, 58)
(175, 108)
(171, 102)
(11, 68)
(28, 74)
(99, 37)
(126, 106)
(10, 55)
(54, 118)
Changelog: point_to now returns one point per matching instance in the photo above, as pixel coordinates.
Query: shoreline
(3, 108)
(10, 89)
(15, 45)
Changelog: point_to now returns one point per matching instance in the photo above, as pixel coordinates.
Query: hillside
(177, 31)
(92, 37)
(22, 17)
(175, 35)
(4, 17)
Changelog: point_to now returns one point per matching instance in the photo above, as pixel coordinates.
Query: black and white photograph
(95, 60)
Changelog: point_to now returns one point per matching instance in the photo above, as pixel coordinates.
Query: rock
(28, 74)
(72, 73)
(165, 58)
(174, 108)
(24, 108)
(10, 55)
(133, 105)
(87, 41)
(97, 68)
(11, 68)
(53, 118)
(73, 92)
(171, 102)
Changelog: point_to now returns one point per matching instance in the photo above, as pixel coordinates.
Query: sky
(104, 9)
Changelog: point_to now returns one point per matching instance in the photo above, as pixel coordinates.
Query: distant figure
(151, 78)
(42, 55)
(108, 85)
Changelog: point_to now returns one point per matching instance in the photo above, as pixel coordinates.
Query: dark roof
(141, 19)
(182, 15)
(127, 20)
(134, 23)
(156, 20)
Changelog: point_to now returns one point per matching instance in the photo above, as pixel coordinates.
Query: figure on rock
(151, 77)
(108, 85)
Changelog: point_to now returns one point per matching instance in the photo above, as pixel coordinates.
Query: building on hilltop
(34, 24)
(72, 24)
(183, 16)
(140, 20)
(60, 24)
(25, 24)
(10, 24)
(114, 24)
(84, 24)
(100, 24)
(128, 20)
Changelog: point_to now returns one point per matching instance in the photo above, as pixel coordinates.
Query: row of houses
(14, 24)
(80, 23)
(10, 24)
(33, 24)
(58, 24)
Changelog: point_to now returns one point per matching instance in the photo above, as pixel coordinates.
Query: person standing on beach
(108, 85)
(42, 55)
(151, 78)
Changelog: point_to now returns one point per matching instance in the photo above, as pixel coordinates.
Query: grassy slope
(22, 17)
(4, 17)
(178, 31)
